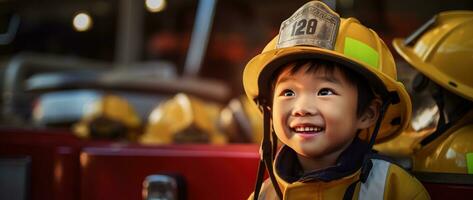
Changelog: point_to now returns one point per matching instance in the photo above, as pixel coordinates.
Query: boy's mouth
(307, 129)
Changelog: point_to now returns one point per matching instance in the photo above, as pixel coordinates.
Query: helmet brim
(431, 71)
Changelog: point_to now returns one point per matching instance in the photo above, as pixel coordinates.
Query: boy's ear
(370, 115)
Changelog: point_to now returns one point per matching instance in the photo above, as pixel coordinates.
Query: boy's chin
(318, 152)
(309, 152)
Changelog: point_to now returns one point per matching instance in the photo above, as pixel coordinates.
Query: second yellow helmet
(442, 50)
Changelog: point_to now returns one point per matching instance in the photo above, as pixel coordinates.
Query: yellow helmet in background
(183, 119)
(451, 153)
(339, 40)
(241, 121)
(443, 51)
(110, 117)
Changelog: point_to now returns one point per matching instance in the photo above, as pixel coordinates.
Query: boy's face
(314, 113)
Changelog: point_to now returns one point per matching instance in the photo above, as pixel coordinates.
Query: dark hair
(365, 92)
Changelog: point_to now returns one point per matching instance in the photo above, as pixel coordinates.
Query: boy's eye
(325, 91)
(288, 93)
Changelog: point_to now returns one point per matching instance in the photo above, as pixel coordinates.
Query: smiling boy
(327, 89)
(315, 111)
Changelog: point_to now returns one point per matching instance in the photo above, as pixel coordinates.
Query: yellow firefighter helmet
(110, 117)
(453, 153)
(241, 121)
(442, 50)
(324, 35)
(183, 119)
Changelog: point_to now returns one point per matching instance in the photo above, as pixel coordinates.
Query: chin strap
(383, 110)
(266, 162)
(367, 164)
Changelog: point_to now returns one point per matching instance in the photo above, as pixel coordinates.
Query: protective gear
(315, 31)
(110, 117)
(183, 119)
(449, 152)
(440, 51)
(404, 145)
(241, 121)
(446, 154)
(352, 42)
(401, 185)
(424, 120)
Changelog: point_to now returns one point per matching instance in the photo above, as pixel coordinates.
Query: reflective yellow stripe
(360, 51)
(469, 162)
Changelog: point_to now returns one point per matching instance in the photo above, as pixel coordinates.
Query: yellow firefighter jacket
(384, 180)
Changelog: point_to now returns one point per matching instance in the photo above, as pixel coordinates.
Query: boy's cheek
(280, 131)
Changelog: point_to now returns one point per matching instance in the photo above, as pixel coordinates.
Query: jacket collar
(289, 170)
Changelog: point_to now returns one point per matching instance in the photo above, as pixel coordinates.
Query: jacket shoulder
(400, 184)
(267, 191)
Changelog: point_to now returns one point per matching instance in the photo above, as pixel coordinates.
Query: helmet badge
(314, 24)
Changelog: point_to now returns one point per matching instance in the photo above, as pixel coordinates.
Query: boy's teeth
(308, 129)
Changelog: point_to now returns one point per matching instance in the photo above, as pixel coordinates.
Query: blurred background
(63, 62)
(85, 83)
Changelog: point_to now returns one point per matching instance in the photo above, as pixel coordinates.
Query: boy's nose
(302, 112)
(304, 107)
